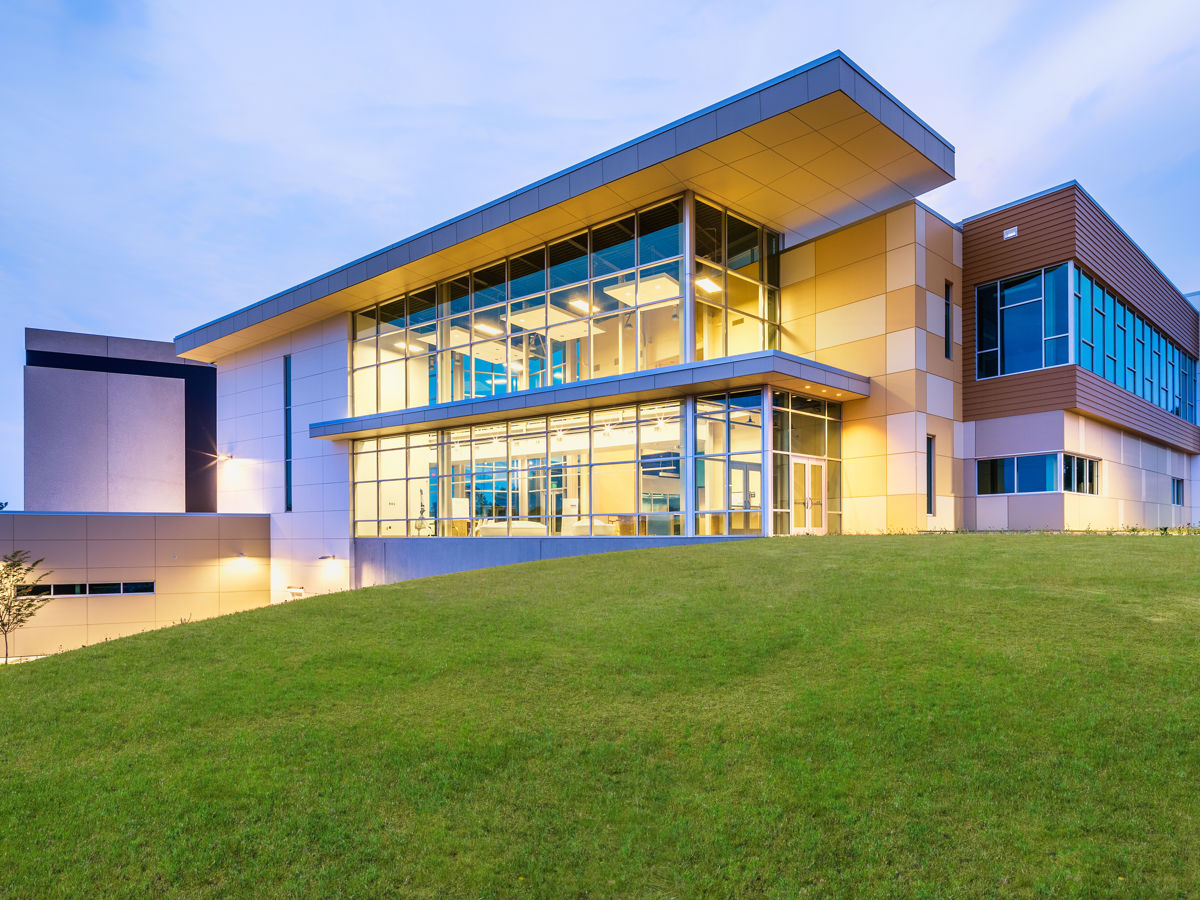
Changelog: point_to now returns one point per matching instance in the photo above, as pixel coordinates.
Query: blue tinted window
(422, 306)
(527, 274)
(1021, 289)
(569, 261)
(1056, 351)
(1021, 338)
(1056, 301)
(987, 364)
(392, 313)
(489, 286)
(987, 326)
(456, 296)
(1036, 473)
(660, 232)
(613, 247)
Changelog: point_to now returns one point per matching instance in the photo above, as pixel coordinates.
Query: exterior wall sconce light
(295, 592)
(224, 457)
(327, 556)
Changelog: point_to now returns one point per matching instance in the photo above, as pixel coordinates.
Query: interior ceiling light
(656, 287)
(707, 285)
(486, 328)
(583, 306)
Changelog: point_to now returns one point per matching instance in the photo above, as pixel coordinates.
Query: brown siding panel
(1026, 392)
(1104, 400)
(1103, 248)
(1060, 226)
(1077, 389)
(1045, 236)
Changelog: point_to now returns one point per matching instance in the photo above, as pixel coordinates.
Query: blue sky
(164, 164)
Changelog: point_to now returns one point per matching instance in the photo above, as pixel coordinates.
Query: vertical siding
(1060, 226)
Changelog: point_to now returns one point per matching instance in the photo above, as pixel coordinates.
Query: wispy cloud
(166, 163)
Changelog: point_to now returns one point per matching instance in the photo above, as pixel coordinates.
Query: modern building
(745, 323)
(94, 406)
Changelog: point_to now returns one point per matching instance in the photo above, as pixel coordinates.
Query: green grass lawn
(929, 716)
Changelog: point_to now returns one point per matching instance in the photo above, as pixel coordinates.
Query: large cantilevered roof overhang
(805, 153)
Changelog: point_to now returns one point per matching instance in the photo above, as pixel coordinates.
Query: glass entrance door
(808, 495)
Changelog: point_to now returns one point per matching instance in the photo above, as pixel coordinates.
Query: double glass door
(807, 489)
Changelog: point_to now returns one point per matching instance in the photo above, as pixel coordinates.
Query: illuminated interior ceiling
(806, 153)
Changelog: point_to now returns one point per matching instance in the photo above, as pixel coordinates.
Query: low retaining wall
(388, 560)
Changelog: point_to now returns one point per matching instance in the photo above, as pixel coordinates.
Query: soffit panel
(805, 170)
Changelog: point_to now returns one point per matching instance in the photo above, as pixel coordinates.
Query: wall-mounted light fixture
(327, 556)
(224, 457)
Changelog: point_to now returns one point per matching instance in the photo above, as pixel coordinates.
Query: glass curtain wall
(728, 463)
(604, 301)
(1122, 347)
(802, 426)
(607, 472)
(1023, 323)
(736, 273)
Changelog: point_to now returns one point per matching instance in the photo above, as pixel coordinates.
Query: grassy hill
(958, 715)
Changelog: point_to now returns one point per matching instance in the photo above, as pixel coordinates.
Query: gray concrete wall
(388, 560)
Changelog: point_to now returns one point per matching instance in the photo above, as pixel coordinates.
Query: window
(995, 476)
(96, 588)
(601, 302)
(1177, 491)
(929, 470)
(1120, 346)
(728, 463)
(1080, 474)
(608, 472)
(736, 274)
(1031, 474)
(948, 324)
(287, 430)
(1022, 323)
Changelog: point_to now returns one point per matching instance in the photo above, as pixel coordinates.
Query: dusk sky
(165, 164)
